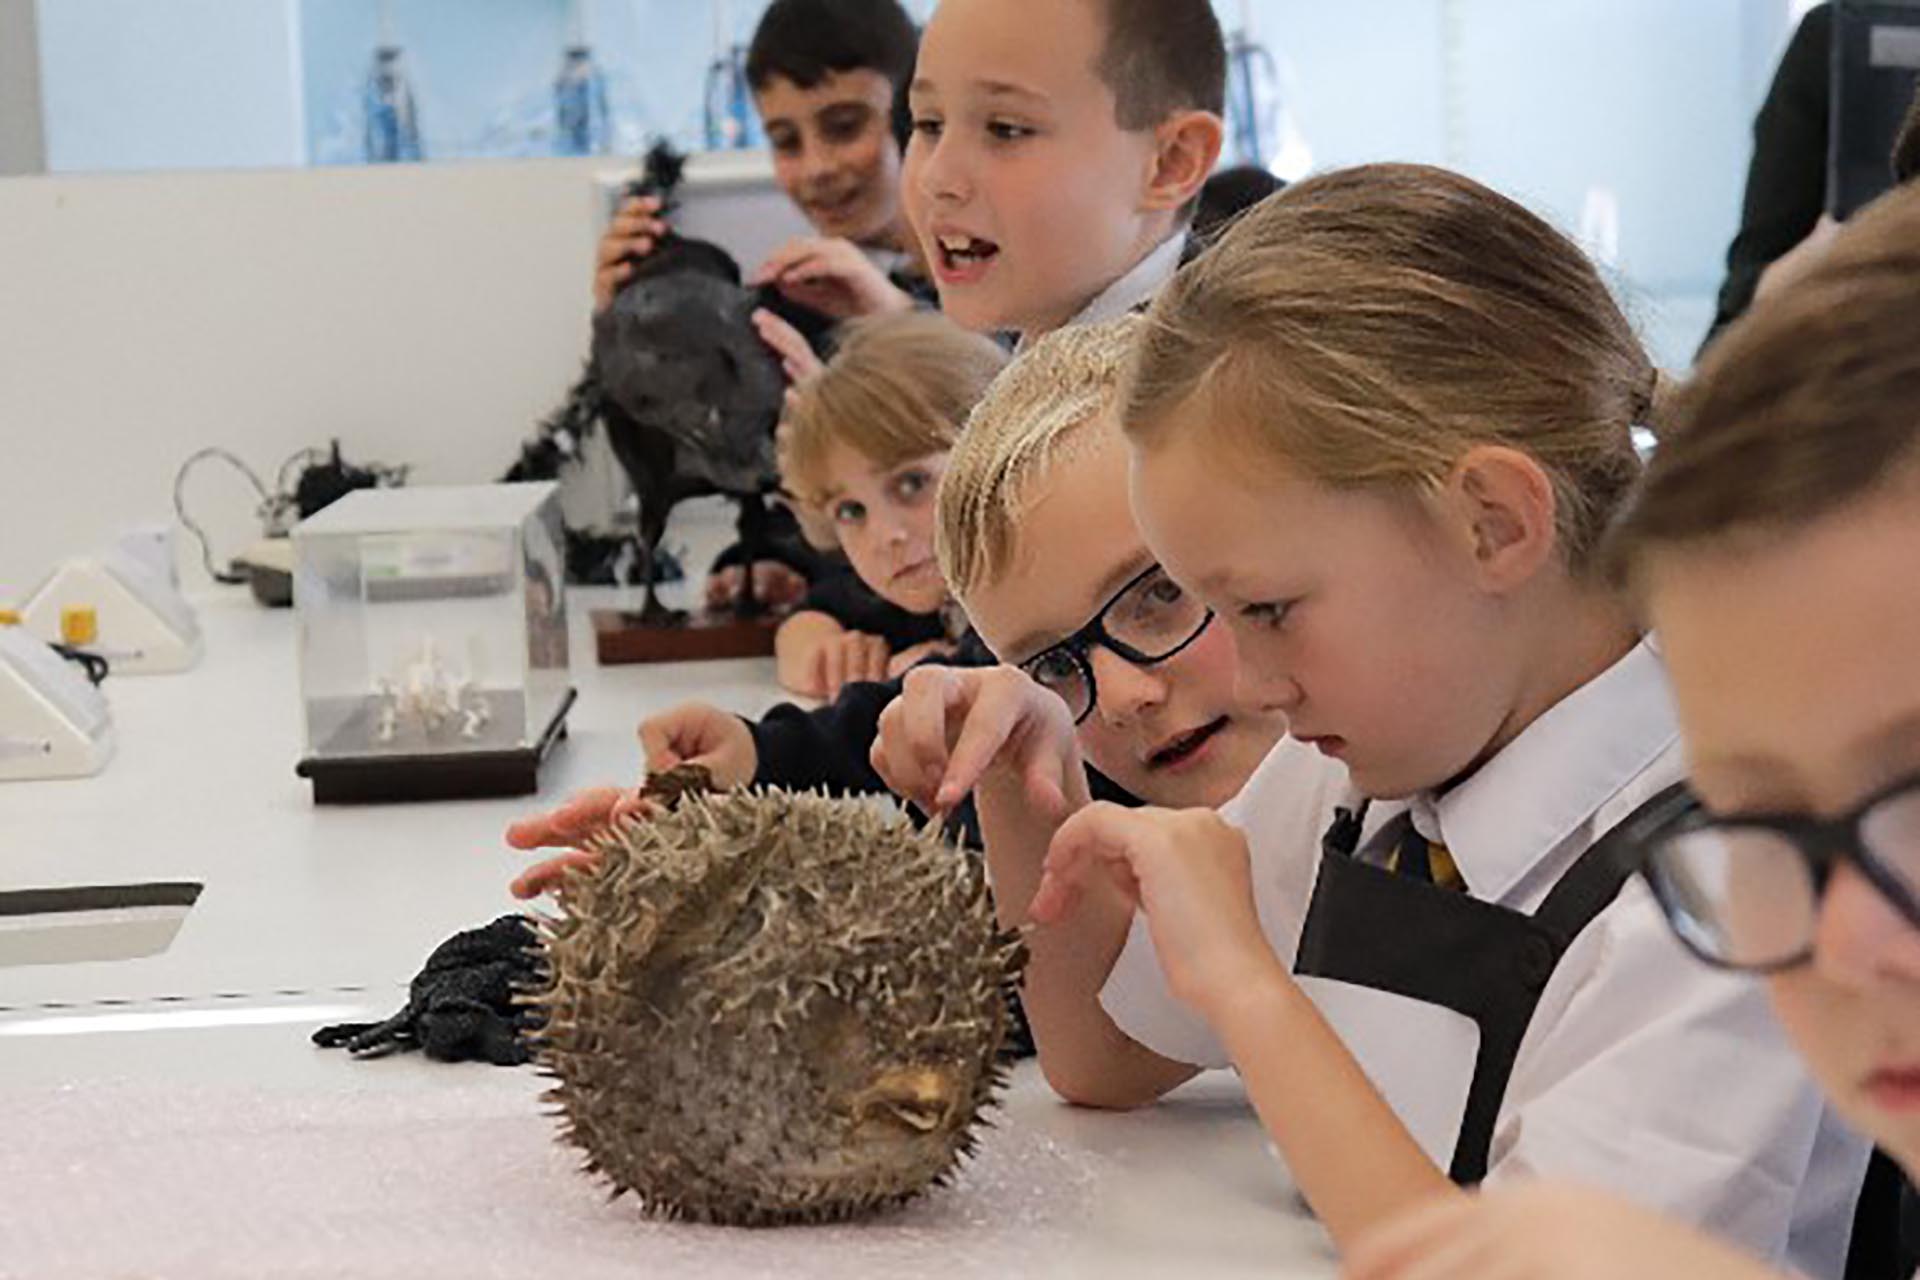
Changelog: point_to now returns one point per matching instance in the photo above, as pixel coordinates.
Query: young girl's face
(1354, 615)
(1795, 670)
(883, 517)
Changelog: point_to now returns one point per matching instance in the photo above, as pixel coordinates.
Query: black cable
(95, 666)
(322, 478)
(228, 576)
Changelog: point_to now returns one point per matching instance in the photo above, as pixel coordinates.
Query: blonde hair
(1370, 326)
(1024, 427)
(899, 387)
(1809, 404)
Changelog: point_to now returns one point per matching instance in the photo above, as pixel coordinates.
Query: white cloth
(1643, 1071)
(1134, 288)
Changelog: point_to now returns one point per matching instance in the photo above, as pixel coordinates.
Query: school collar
(1547, 783)
(1136, 288)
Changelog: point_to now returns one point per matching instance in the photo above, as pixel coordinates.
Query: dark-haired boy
(829, 79)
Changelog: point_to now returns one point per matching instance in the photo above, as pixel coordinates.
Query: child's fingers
(627, 238)
(871, 660)
(813, 269)
(877, 656)
(532, 833)
(882, 761)
(796, 354)
(814, 682)
(638, 213)
(540, 879)
(631, 805)
(854, 648)
(933, 695)
(613, 247)
(989, 724)
(803, 266)
(897, 753)
(1045, 789)
(660, 744)
(832, 668)
(608, 281)
(887, 751)
(781, 260)
(578, 817)
(1102, 838)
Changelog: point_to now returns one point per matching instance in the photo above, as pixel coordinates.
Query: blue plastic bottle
(582, 126)
(732, 124)
(393, 126)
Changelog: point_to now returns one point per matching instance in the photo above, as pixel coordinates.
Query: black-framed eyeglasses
(1147, 621)
(1745, 892)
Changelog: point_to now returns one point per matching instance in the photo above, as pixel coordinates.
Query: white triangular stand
(53, 724)
(144, 626)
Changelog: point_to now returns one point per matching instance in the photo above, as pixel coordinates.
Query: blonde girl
(1379, 430)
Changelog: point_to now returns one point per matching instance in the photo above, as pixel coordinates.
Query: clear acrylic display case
(433, 641)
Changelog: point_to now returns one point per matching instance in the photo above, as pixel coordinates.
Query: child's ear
(1186, 147)
(1510, 514)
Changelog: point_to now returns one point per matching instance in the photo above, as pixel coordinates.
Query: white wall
(425, 314)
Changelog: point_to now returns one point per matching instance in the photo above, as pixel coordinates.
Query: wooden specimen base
(620, 637)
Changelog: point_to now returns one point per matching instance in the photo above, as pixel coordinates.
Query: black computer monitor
(1876, 64)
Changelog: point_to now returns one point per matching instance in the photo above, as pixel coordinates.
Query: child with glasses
(1108, 663)
(1774, 545)
(1378, 429)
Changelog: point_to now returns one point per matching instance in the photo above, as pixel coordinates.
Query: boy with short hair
(1058, 149)
(1083, 133)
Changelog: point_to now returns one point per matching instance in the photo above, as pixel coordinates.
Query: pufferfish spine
(764, 1007)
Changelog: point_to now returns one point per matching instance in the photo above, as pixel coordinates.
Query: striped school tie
(1419, 858)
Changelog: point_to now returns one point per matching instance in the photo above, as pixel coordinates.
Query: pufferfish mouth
(913, 1100)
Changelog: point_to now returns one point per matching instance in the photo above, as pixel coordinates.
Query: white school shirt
(1135, 288)
(1643, 1071)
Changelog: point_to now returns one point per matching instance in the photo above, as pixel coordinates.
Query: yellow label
(79, 624)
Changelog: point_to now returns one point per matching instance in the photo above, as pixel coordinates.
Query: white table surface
(166, 1116)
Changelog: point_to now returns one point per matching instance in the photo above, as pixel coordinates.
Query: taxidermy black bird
(690, 394)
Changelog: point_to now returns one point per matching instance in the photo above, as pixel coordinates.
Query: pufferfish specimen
(764, 1008)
